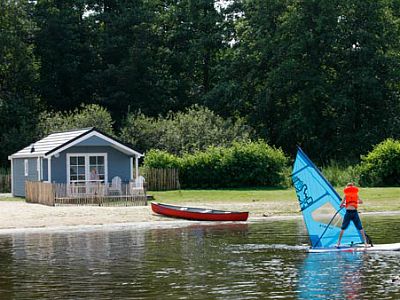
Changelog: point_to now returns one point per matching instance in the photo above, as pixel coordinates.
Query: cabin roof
(58, 142)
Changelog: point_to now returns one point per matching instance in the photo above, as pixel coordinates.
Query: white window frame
(87, 164)
(26, 167)
(38, 168)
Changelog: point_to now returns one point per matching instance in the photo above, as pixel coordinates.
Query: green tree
(126, 76)
(367, 101)
(325, 75)
(91, 115)
(298, 94)
(18, 74)
(191, 35)
(196, 128)
(145, 133)
(245, 64)
(381, 166)
(64, 45)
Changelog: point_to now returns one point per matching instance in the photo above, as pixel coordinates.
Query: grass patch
(280, 201)
(380, 199)
(12, 199)
(225, 195)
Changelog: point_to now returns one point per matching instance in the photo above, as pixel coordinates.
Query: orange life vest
(351, 194)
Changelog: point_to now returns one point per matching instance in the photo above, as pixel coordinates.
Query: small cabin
(74, 158)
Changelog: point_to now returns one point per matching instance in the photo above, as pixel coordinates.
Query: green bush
(241, 165)
(381, 167)
(160, 160)
(202, 169)
(339, 175)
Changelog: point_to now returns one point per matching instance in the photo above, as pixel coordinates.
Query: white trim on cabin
(24, 156)
(26, 167)
(49, 169)
(87, 164)
(12, 177)
(136, 167)
(131, 167)
(38, 168)
(118, 145)
(41, 169)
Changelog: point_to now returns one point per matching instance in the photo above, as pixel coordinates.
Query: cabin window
(96, 167)
(85, 168)
(26, 167)
(77, 169)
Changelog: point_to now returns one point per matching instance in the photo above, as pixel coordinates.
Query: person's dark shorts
(351, 215)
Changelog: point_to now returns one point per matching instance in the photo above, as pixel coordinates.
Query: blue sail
(319, 202)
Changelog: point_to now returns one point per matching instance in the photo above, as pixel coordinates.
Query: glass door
(77, 175)
(86, 173)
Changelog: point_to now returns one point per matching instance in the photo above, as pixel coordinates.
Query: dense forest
(323, 74)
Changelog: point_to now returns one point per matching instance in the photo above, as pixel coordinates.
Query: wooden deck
(95, 194)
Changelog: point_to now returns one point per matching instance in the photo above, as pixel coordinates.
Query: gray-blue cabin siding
(118, 163)
(19, 177)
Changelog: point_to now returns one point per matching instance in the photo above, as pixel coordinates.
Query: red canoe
(200, 214)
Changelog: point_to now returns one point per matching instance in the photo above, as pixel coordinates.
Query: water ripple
(219, 261)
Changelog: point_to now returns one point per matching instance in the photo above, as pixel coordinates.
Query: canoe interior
(196, 209)
(199, 214)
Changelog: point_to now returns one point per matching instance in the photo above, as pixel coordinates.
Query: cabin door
(86, 172)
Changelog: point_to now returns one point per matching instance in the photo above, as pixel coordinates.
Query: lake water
(258, 260)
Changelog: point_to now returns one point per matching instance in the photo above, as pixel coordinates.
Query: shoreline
(21, 217)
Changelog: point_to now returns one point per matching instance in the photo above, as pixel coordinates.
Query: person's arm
(342, 204)
(360, 201)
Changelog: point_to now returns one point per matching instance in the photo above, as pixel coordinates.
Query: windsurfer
(351, 201)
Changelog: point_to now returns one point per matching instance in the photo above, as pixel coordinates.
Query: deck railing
(99, 194)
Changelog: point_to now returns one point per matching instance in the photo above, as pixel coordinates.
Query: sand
(21, 215)
(17, 215)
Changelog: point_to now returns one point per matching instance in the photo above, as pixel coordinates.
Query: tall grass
(339, 174)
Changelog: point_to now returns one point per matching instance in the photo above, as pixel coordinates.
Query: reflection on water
(264, 260)
(334, 275)
(339, 275)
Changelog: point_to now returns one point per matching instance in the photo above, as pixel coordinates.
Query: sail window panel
(324, 215)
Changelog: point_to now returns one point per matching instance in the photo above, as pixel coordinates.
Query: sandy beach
(21, 215)
(18, 215)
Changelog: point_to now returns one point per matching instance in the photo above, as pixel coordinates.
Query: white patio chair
(137, 187)
(115, 187)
